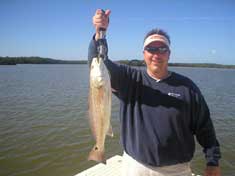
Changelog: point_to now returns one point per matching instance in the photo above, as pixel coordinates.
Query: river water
(44, 128)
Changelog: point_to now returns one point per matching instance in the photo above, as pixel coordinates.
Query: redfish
(99, 107)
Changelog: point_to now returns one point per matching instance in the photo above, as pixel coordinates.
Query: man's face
(156, 57)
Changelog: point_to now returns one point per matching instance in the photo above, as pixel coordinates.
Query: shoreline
(39, 60)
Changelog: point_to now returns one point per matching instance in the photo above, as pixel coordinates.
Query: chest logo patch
(176, 95)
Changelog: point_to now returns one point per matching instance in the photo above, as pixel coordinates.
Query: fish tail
(96, 154)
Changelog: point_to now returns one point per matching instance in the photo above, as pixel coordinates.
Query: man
(160, 111)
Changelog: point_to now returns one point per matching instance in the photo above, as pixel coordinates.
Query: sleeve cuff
(212, 155)
(214, 163)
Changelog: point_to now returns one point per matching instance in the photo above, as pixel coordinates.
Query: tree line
(134, 62)
(35, 60)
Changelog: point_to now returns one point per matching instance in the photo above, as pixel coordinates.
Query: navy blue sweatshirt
(159, 119)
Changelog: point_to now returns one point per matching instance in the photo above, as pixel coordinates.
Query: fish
(100, 95)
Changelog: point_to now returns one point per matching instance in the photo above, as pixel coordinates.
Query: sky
(200, 31)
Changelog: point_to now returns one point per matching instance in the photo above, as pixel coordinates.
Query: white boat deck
(112, 168)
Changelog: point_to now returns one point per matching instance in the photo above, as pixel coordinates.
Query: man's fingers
(99, 11)
(98, 20)
(102, 12)
(101, 18)
(107, 12)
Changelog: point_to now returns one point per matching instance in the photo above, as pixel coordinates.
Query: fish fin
(110, 131)
(97, 155)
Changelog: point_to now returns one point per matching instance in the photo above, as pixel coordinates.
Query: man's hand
(100, 20)
(212, 171)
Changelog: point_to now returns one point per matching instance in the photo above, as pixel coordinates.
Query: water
(43, 119)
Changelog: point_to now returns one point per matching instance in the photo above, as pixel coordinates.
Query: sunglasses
(156, 50)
